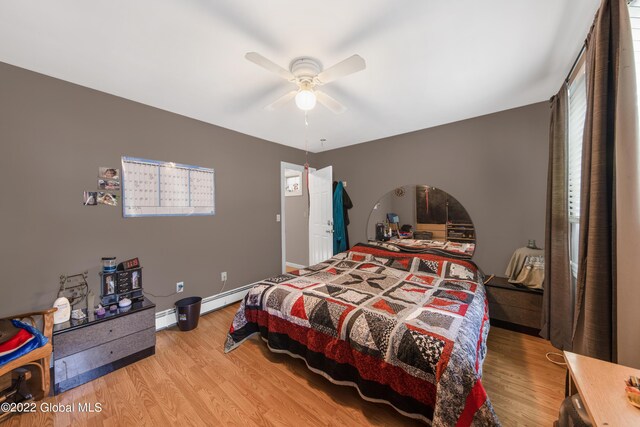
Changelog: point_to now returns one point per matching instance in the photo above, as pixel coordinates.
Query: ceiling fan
(308, 75)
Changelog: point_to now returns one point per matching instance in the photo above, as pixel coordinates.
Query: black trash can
(188, 310)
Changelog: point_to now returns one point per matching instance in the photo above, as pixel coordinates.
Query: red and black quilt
(405, 329)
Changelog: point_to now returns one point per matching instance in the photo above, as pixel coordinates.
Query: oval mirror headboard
(421, 212)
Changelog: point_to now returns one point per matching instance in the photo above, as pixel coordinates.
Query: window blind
(577, 112)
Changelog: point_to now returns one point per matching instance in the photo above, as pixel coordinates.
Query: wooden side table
(601, 387)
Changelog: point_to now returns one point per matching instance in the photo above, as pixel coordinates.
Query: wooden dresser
(88, 349)
(513, 307)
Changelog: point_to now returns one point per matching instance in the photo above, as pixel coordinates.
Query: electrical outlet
(223, 276)
(179, 287)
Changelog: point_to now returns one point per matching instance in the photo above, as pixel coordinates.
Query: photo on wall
(108, 199)
(90, 198)
(108, 173)
(108, 184)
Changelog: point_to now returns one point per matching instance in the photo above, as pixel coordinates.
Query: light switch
(277, 217)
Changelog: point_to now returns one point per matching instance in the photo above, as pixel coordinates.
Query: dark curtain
(609, 200)
(595, 315)
(557, 298)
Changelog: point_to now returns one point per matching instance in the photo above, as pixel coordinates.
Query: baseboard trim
(167, 318)
(294, 265)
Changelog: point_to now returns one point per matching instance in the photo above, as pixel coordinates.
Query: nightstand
(90, 348)
(517, 308)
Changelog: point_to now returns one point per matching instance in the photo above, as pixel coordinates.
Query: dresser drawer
(82, 339)
(517, 306)
(516, 315)
(76, 364)
(514, 298)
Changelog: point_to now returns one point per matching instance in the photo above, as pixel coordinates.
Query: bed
(406, 329)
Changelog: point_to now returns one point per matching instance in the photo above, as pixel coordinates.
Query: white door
(320, 215)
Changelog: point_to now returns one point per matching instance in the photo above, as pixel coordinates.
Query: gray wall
(297, 227)
(54, 136)
(495, 165)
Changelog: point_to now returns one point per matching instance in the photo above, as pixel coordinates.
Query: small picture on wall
(293, 183)
(90, 198)
(108, 184)
(108, 173)
(109, 199)
(109, 286)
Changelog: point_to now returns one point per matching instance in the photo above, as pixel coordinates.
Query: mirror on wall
(421, 212)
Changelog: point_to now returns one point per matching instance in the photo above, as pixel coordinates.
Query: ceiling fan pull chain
(306, 157)
(306, 135)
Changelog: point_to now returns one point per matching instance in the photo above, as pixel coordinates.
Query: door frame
(283, 236)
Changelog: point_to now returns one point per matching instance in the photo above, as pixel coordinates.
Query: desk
(601, 387)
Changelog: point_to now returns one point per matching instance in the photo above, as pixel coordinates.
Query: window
(577, 112)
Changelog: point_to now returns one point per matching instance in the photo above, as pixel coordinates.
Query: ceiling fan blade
(329, 102)
(350, 65)
(269, 65)
(281, 101)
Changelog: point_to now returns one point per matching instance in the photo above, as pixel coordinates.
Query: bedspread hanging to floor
(408, 330)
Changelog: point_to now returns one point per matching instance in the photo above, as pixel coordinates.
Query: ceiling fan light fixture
(305, 99)
(307, 74)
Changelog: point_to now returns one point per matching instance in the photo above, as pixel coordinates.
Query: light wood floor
(190, 381)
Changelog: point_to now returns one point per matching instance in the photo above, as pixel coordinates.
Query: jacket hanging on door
(341, 203)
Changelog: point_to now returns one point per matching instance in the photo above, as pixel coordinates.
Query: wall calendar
(154, 188)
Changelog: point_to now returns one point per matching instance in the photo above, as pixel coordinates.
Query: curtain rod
(576, 62)
(584, 47)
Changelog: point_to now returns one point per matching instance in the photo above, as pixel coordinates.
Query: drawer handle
(110, 330)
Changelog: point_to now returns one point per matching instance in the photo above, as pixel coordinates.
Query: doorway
(294, 208)
(306, 225)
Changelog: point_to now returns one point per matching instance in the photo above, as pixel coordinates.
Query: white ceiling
(429, 62)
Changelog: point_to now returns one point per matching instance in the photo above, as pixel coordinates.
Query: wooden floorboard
(190, 381)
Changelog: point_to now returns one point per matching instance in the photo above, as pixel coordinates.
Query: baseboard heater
(168, 318)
